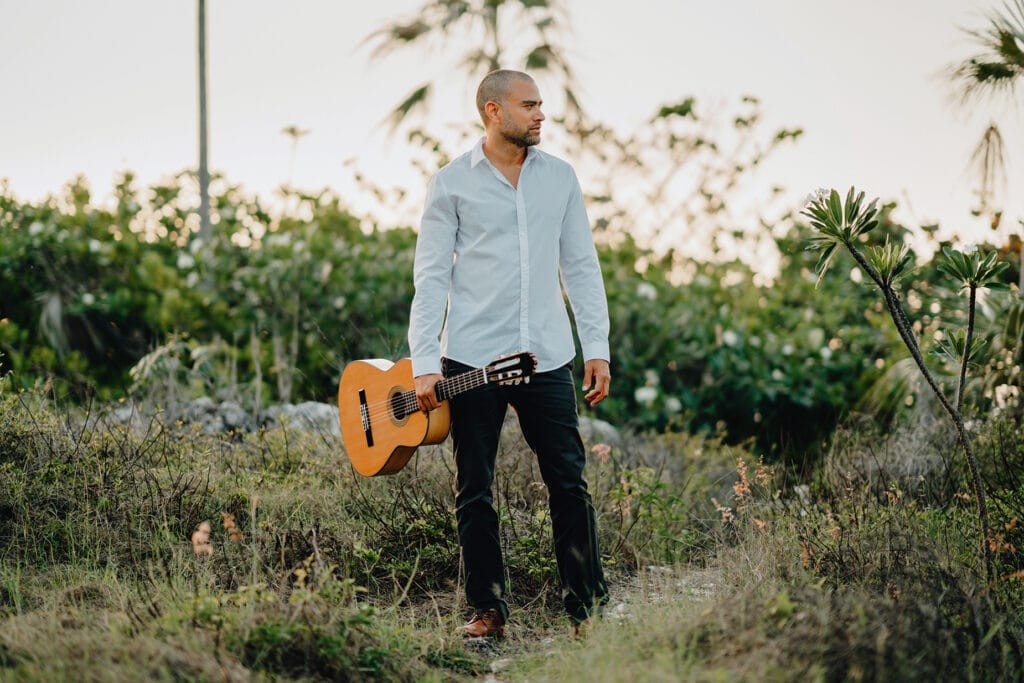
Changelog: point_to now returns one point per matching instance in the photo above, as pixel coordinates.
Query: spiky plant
(842, 225)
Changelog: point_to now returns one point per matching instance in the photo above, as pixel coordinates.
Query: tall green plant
(844, 225)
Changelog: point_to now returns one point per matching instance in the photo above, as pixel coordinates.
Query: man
(501, 223)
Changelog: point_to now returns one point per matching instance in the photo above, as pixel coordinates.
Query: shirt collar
(477, 154)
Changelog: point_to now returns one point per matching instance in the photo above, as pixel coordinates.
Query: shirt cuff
(592, 350)
(426, 365)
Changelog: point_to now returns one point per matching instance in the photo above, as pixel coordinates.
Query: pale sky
(101, 86)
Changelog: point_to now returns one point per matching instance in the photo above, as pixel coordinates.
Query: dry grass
(161, 554)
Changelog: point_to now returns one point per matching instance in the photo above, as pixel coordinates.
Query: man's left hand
(596, 373)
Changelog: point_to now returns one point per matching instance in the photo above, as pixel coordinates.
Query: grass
(719, 569)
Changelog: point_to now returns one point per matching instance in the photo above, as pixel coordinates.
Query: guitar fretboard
(406, 403)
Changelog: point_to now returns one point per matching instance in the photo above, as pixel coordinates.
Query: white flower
(94, 245)
(1007, 396)
(645, 395)
(650, 378)
(730, 338)
(787, 349)
(817, 196)
(645, 290)
(826, 352)
(88, 299)
(185, 261)
(969, 249)
(673, 404)
(777, 375)
(35, 228)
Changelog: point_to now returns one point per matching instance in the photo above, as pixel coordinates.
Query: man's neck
(503, 153)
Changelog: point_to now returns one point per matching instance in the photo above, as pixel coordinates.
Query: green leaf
(824, 262)
(417, 98)
(539, 58)
(835, 209)
(683, 109)
(951, 347)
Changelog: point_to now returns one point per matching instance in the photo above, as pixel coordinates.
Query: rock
(306, 416)
(234, 417)
(596, 431)
(198, 410)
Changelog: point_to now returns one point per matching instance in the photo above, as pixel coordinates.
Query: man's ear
(492, 110)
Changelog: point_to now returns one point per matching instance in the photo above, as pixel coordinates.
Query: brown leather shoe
(580, 629)
(487, 624)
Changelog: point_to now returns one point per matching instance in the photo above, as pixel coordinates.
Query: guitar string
(407, 399)
(407, 403)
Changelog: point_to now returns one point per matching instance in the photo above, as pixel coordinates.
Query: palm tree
(204, 172)
(539, 20)
(994, 71)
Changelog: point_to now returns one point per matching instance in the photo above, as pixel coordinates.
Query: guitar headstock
(512, 369)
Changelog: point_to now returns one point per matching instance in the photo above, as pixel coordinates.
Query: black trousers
(547, 415)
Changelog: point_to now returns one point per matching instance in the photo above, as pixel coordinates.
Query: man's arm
(432, 277)
(581, 275)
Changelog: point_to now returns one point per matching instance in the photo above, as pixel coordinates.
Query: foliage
(704, 347)
(994, 70)
(312, 573)
(848, 582)
(843, 225)
(435, 20)
(674, 182)
(307, 570)
(112, 300)
(93, 290)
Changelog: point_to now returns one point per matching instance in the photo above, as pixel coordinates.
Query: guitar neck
(453, 386)
(445, 389)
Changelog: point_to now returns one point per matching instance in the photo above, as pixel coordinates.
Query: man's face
(521, 115)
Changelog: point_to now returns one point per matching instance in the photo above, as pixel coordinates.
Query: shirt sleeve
(432, 277)
(581, 277)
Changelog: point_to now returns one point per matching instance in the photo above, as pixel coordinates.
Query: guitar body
(378, 436)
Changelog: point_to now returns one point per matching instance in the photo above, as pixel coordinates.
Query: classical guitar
(381, 423)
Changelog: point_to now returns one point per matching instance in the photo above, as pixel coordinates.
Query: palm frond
(998, 66)
(416, 100)
(988, 164)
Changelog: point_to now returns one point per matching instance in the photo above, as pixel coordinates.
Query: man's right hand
(426, 394)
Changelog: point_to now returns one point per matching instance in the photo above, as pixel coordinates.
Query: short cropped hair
(495, 87)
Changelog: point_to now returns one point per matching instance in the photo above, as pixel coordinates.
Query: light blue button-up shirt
(488, 260)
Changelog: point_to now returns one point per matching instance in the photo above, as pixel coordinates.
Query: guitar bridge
(364, 413)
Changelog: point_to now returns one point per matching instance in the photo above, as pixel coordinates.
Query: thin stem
(967, 347)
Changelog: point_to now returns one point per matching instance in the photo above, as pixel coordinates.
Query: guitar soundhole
(397, 406)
